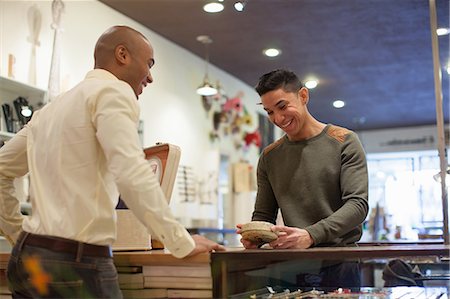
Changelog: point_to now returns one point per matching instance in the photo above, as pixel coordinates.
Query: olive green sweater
(319, 184)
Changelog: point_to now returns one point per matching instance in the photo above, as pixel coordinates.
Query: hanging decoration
(34, 25)
(230, 120)
(253, 138)
(54, 78)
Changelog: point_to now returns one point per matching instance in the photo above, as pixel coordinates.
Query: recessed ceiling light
(310, 84)
(213, 7)
(442, 31)
(239, 5)
(272, 52)
(338, 104)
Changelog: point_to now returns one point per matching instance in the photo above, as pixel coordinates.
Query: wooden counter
(233, 264)
(157, 257)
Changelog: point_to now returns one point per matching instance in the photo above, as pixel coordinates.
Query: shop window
(405, 201)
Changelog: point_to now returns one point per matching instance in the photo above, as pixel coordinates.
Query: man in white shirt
(81, 151)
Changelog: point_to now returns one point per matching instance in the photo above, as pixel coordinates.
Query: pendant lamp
(206, 88)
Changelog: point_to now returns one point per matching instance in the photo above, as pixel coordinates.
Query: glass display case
(243, 273)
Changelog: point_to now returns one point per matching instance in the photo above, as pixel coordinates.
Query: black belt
(63, 245)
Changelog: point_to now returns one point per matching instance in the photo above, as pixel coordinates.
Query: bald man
(82, 150)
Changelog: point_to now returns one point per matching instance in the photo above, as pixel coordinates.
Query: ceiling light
(448, 69)
(310, 84)
(213, 7)
(239, 5)
(206, 89)
(338, 104)
(272, 52)
(442, 31)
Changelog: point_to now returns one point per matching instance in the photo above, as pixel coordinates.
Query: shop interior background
(218, 161)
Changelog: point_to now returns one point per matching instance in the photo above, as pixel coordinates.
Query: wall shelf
(6, 135)
(11, 89)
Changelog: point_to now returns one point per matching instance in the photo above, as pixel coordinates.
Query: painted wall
(170, 109)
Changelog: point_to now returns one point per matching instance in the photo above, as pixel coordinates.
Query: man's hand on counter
(288, 238)
(291, 238)
(203, 244)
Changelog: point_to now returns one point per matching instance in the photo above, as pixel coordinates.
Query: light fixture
(239, 5)
(442, 31)
(206, 89)
(338, 104)
(310, 84)
(213, 7)
(448, 69)
(272, 52)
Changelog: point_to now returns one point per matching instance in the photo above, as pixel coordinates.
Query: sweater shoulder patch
(273, 145)
(338, 133)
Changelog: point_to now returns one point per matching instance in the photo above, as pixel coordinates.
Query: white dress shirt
(82, 150)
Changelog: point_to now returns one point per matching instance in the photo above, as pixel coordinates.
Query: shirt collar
(101, 74)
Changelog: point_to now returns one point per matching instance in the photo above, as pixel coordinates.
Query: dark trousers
(39, 272)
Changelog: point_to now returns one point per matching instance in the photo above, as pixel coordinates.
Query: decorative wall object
(54, 78)
(23, 110)
(253, 138)
(8, 115)
(11, 66)
(243, 177)
(186, 183)
(208, 189)
(34, 25)
(230, 119)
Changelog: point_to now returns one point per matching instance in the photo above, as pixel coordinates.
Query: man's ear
(303, 93)
(121, 54)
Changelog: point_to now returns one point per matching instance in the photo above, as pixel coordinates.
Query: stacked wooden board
(160, 281)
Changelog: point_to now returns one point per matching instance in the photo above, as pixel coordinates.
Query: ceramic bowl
(258, 232)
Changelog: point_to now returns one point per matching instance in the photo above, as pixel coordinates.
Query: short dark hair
(285, 79)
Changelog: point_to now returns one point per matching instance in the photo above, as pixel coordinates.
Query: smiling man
(316, 175)
(82, 150)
